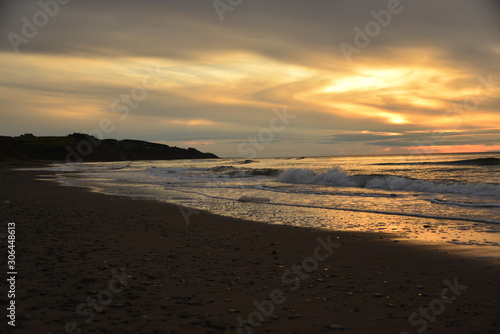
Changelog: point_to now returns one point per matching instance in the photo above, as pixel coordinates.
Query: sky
(256, 78)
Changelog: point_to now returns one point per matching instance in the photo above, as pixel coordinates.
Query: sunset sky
(211, 74)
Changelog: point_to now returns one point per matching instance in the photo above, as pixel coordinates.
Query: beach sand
(201, 277)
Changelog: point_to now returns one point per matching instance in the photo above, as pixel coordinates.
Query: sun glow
(192, 122)
(379, 96)
(397, 119)
(370, 79)
(453, 148)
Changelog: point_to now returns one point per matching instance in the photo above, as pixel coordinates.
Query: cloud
(221, 79)
(418, 139)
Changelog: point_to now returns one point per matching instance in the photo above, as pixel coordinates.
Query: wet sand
(105, 264)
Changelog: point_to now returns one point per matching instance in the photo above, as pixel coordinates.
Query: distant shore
(108, 264)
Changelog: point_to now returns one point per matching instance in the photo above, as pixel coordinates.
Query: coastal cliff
(81, 147)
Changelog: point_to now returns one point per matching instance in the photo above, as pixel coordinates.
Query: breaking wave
(338, 178)
(235, 171)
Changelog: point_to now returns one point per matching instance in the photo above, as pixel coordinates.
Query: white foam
(479, 205)
(338, 178)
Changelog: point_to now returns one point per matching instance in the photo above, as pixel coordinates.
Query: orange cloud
(192, 122)
(453, 148)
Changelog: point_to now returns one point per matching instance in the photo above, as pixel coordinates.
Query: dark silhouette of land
(79, 147)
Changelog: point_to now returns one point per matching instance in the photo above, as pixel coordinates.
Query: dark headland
(78, 147)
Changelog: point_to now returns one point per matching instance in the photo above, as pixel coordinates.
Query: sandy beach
(93, 263)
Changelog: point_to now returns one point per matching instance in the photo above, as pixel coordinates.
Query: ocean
(453, 198)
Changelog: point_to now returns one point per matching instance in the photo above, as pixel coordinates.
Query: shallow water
(448, 198)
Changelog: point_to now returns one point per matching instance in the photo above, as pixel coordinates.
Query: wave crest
(338, 178)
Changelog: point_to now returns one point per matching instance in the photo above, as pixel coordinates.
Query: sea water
(449, 197)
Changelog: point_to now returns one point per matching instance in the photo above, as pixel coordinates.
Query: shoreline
(422, 230)
(200, 277)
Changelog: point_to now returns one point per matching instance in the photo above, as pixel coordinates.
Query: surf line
(416, 215)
